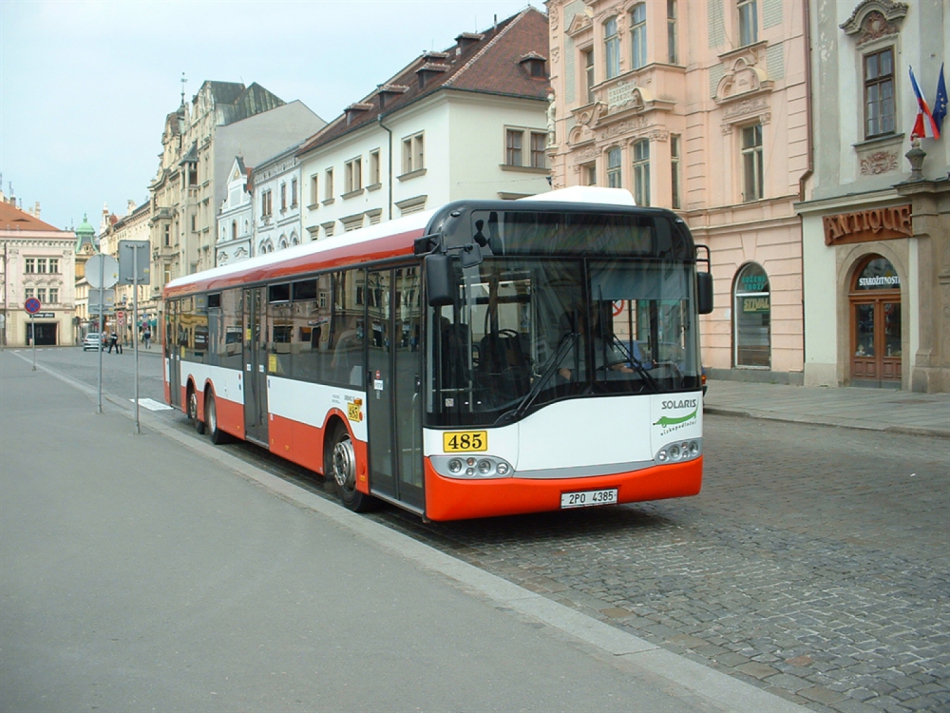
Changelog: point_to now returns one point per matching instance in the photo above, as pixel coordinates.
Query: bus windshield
(526, 331)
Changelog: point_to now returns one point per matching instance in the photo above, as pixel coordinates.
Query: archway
(752, 312)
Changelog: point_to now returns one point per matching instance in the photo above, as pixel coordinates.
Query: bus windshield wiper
(637, 365)
(549, 369)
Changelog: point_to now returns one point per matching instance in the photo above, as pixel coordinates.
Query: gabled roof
(489, 62)
(12, 218)
(237, 102)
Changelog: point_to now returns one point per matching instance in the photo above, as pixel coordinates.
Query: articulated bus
(486, 358)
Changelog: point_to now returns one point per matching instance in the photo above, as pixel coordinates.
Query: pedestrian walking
(114, 342)
(147, 336)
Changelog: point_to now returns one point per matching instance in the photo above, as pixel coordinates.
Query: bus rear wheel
(193, 411)
(340, 459)
(218, 436)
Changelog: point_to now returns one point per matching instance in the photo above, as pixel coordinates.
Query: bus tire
(193, 410)
(218, 437)
(340, 469)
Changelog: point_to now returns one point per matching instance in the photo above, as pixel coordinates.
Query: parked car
(92, 341)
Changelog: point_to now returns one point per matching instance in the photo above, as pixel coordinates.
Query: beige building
(701, 107)
(37, 264)
(113, 230)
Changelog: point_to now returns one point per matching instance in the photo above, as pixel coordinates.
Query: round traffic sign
(102, 271)
(32, 305)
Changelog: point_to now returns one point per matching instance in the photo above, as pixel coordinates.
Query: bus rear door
(394, 389)
(255, 365)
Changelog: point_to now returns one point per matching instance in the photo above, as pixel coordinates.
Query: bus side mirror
(439, 290)
(704, 292)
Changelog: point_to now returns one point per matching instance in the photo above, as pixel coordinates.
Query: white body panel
(228, 383)
(309, 403)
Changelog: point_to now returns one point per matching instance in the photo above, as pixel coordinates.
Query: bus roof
(382, 241)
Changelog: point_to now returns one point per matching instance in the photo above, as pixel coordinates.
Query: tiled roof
(488, 62)
(12, 218)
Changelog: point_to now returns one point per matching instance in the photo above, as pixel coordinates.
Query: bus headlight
(472, 468)
(680, 451)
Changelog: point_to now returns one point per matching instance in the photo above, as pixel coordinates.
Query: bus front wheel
(341, 468)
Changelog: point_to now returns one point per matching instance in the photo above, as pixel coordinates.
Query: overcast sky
(85, 86)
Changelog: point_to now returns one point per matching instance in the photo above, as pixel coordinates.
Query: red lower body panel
(456, 499)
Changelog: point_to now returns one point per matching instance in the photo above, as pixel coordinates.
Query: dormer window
(429, 70)
(354, 111)
(468, 39)
(534, 64)
(388, 92)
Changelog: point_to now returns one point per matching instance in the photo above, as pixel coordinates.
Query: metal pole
(33, 332)
(102, 298)
(135, 324)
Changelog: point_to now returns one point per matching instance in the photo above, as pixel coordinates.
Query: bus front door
(255, 365)
(394, 391)
(172, 354)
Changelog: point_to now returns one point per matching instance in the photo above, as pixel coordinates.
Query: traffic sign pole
(33, 306)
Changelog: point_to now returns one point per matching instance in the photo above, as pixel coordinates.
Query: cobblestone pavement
(815, 563)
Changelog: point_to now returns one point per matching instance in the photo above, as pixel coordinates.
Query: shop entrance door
(876, 326)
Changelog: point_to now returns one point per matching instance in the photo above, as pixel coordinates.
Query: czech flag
(925, 127)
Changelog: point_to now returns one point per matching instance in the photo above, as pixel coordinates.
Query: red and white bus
(485, 358)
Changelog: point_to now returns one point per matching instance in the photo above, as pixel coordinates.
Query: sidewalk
(873, 409)
(158, 572)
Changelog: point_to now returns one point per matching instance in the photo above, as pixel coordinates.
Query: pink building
(701, 107)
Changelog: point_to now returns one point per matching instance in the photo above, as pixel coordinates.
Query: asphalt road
(814, 564)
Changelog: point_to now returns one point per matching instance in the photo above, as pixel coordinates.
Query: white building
(36, 261)
(236, 217)
(277, 214)
(875, 239)
(469, 122)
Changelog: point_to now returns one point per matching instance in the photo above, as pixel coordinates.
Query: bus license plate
(464, 441)
(589, 498)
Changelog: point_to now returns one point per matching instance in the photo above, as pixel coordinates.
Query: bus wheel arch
(340, 467)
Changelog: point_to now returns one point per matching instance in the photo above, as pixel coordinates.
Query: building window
(266, 206)
(374, 170)
(671, 30)
(513, 147)
(614, 168)
(314, 189)
(283, 197)
(54, 295)
(879, 93)
(53, 265)
(675, 169)
(233, 230)
(538, 157)
(641, 172)
(293, 193)
(354, 175)
(611, 48)
(752, 310)
(41, 294)
(29, 292)
(638, 35)
(589, 75)
(168, 236)
(328, 186)
(29, 265)
(413, 153)
(748, 22)
(589, 173)
(752, 179)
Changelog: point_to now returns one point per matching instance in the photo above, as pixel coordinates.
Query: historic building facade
(36, 261)
(701, 107)
(876, 224)
(199, 144)
(236, 217)
(466, 122)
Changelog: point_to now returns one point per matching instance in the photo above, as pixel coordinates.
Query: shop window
(752, 310)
